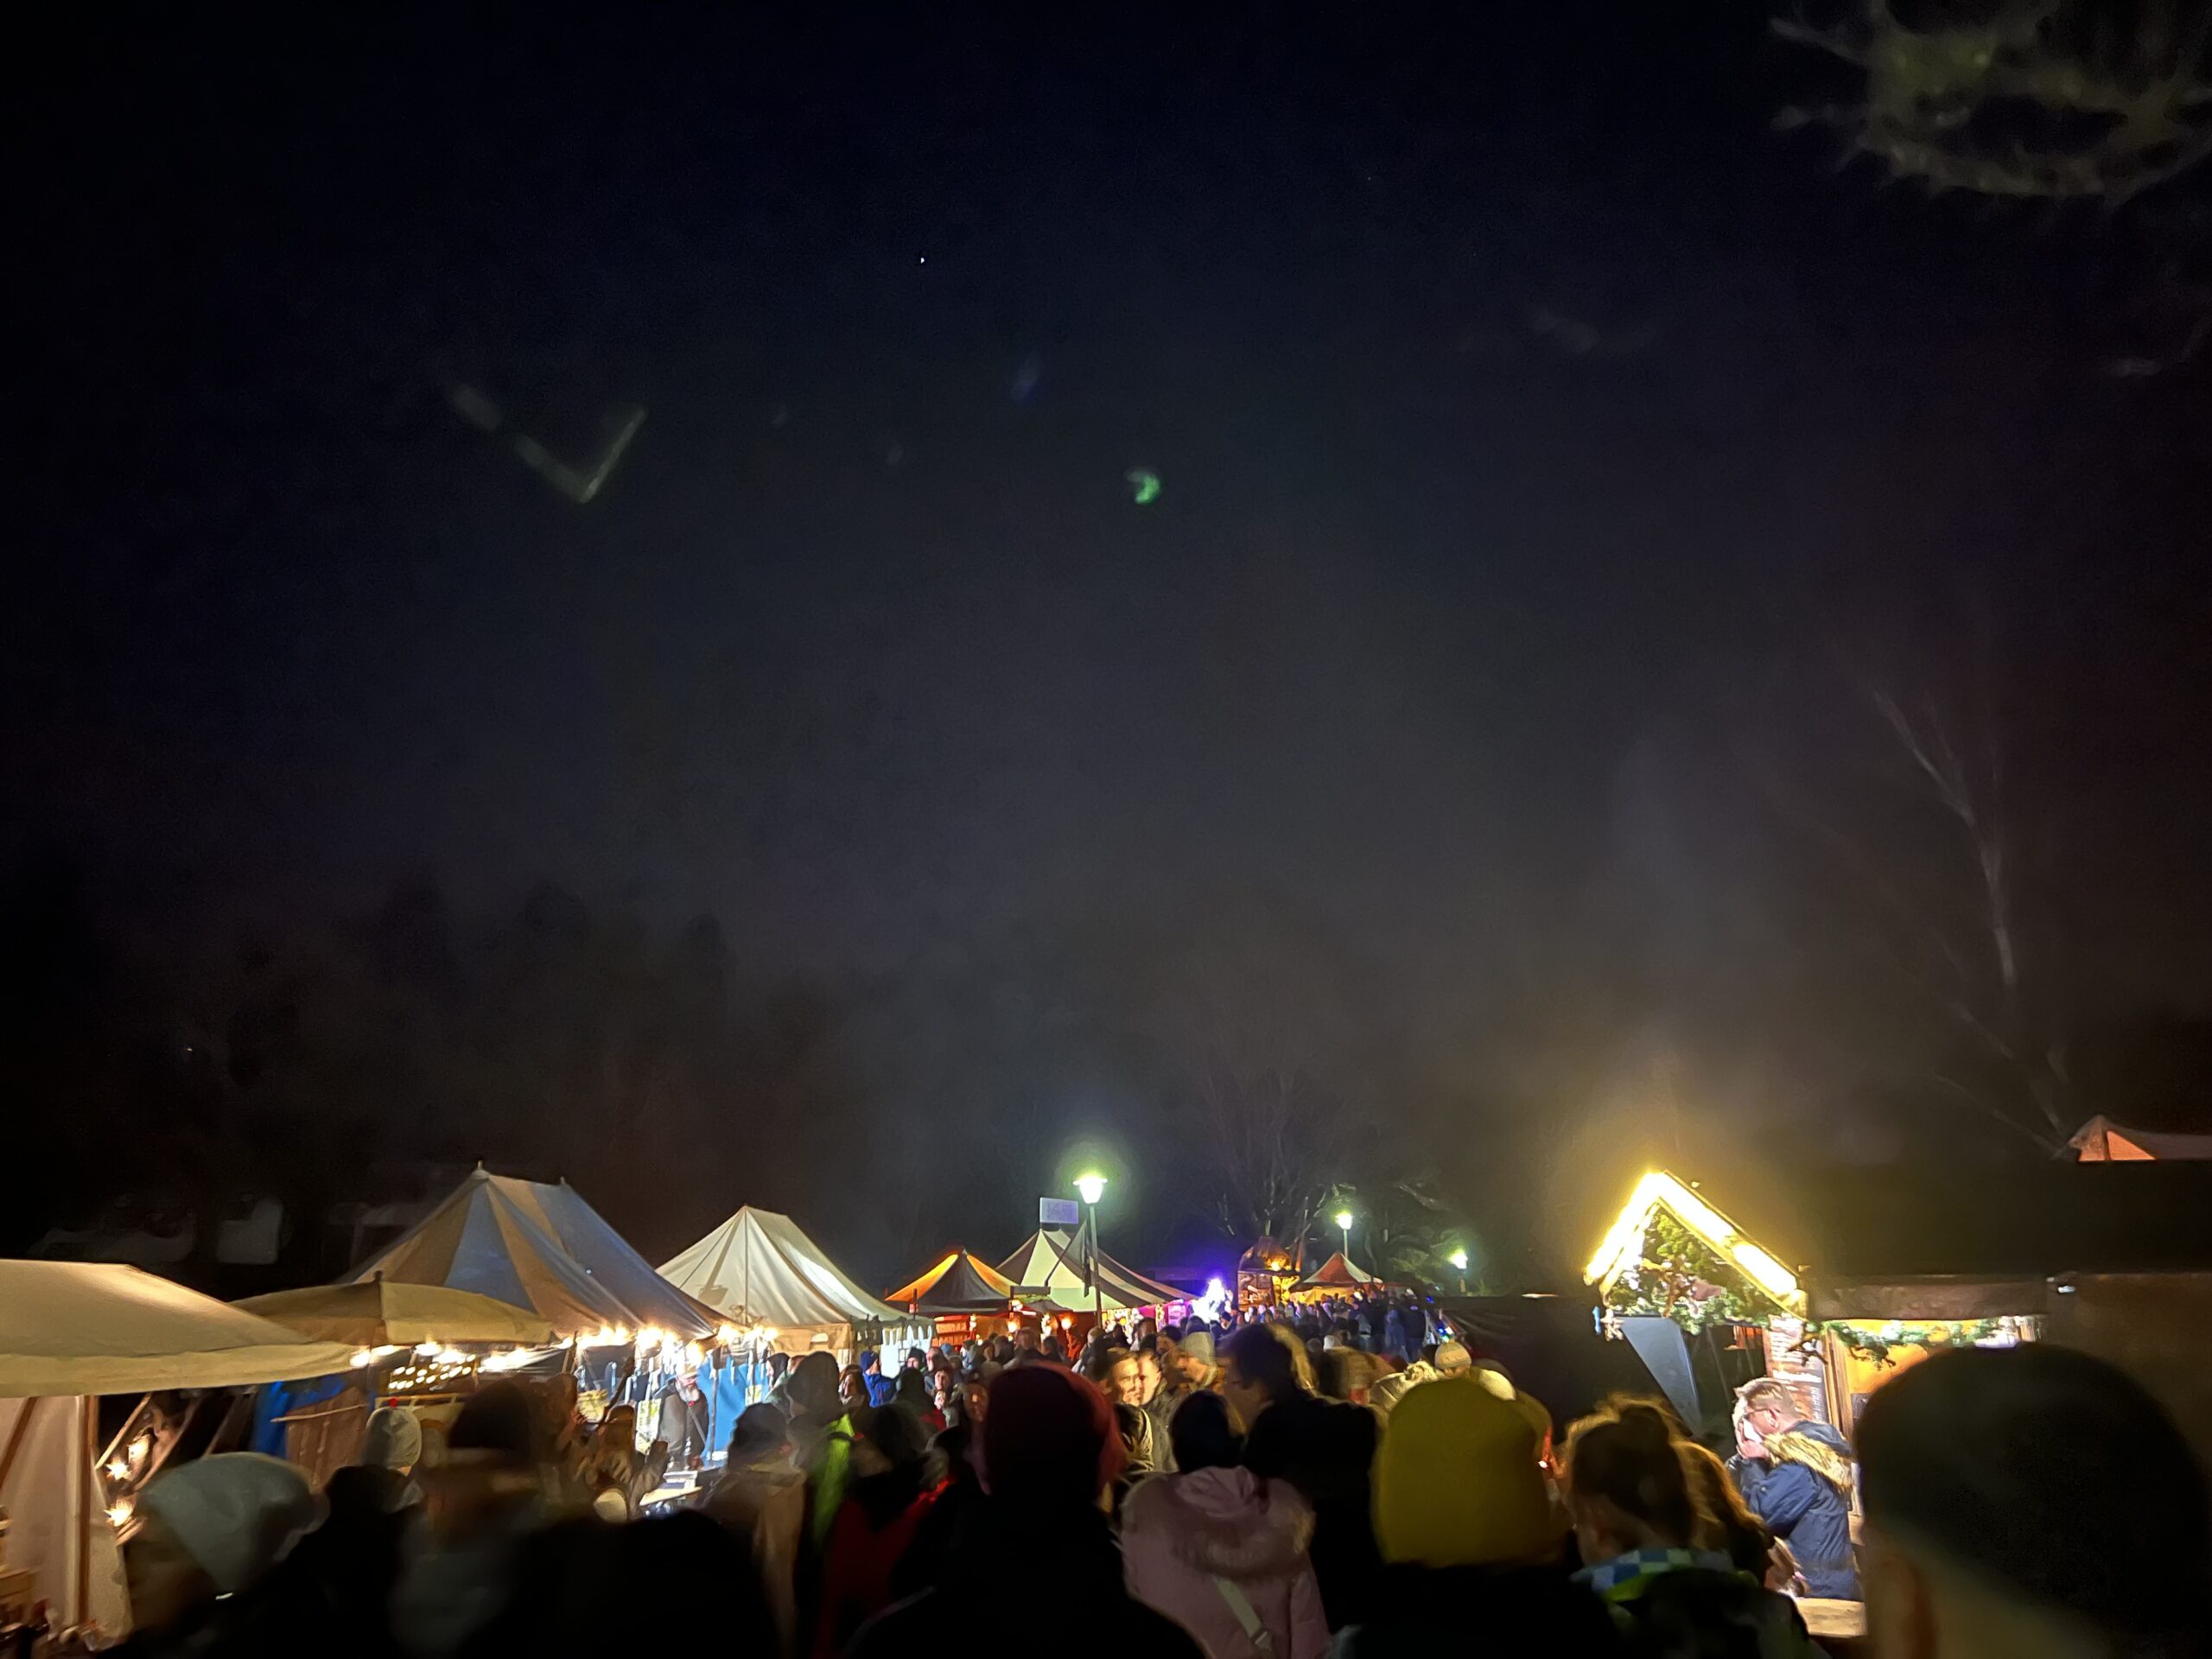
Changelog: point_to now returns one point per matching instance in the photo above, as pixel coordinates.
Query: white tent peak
(762, 1266)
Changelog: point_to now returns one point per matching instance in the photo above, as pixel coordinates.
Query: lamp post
(1343, 1225)
(1090, 1188)
(1460, 1261)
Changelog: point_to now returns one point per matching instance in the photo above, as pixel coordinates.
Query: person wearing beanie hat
(1452, 1359)
(2033, 1502)
(212, 1528)
(1473, 1546)
(1458, 1484)
(393, 1439)
(1051, 1451)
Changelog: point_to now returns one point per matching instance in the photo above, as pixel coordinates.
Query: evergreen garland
(1681, 1278)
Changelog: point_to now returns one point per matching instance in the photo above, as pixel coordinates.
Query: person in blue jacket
(881, 1389)
(1801, 1489)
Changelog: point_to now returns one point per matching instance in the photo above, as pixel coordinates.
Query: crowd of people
(1236, 1489)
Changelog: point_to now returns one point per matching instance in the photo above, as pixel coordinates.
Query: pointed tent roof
(1050, 1265)
(959, 1284)
(2100, 1140)
(1338, 1273)
(759, 1265)
(539, 1247)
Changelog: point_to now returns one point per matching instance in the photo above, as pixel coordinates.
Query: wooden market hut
(1883, 1266)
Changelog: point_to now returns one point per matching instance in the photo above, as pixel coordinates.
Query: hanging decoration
(1678, 1276)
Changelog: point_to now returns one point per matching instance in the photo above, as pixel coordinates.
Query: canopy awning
(383, 1312)
(90, 1327)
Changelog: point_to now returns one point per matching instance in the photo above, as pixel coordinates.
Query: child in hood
(1222, 1551)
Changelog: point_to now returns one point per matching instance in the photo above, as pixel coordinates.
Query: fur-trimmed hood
(1826, 1454)
(1227, 1522)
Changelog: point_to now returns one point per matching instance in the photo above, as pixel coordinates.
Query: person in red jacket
(893, 1484)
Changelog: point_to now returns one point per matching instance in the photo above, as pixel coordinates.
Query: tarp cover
(385, 1312)
(759, 1265)
(1049, 1266)
(959, 1284)
(543, 1248)
(58, 1532)
(95, 1327)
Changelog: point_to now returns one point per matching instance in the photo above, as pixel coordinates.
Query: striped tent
(543, 1248)
(1338, 1273)
(1048, 1270)
(958, 1284)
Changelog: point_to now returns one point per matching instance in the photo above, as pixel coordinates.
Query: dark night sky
(1432, 646)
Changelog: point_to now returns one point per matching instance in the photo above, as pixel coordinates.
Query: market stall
(784, 1295)
(70, 1333)
(422, 1344)
(633, 1337)
(1338, 1276)
(962, 1297)
(1267, 1271)
(1048, 1273)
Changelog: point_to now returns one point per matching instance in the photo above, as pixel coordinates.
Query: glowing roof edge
(1658, 1188)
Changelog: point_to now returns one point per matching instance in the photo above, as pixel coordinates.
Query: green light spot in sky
(1144, 485)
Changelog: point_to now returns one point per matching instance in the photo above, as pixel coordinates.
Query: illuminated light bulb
(118, 1470)
(1090, 1188)
(118, 1513)
(362, 1356)
(727, 1333)
(426, 1349)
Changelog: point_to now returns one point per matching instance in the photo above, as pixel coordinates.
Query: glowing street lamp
(1090, 1188)
(1459, 1260)
(1343, 1225)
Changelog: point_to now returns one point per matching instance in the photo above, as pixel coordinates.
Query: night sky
(1537, 431)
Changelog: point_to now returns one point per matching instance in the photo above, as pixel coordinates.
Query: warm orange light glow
(1624, 1239)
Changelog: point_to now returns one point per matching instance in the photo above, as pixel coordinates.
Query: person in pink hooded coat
(1221, 1551)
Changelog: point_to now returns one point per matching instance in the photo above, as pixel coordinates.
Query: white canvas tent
(71, 1332)
(1048, 1270)
(759, 1268)
(542, 1248)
